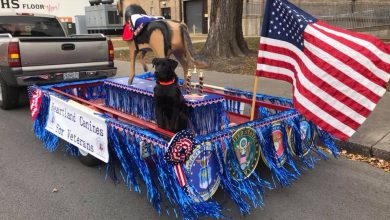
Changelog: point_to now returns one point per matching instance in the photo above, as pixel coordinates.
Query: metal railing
(253, 9)
(360, 19)
(348, 15)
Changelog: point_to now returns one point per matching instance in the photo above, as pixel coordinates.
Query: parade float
(115, 122)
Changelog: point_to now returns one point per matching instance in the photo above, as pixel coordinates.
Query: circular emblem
(306, 138)
(180, 147)
(277, 138)
(247, 150)
(202, 168)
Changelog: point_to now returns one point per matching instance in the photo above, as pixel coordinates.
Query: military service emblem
(277, 138)
(306, 138)
(247, 150)
(203, 168)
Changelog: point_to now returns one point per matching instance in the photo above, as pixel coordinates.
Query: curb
(382, 154)
(363, 150)
(354, 148)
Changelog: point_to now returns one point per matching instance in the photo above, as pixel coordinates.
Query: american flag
(338, 76)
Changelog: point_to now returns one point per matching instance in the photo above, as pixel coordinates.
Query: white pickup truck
(34, 49)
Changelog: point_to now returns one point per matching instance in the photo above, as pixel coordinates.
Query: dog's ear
(173, 64)
(155, 61)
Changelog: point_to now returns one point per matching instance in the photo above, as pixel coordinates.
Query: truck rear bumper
(59, 77)
(31, 78)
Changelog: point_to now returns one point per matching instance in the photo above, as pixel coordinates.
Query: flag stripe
(319, 87)
(340, 128)
(339, 115)
(179, 173)
(375, 58)
(359, 58)
(318, 73)
(348, 102)
(338, 76)
(335, 68)
(320, 122)
(283, 77)
(345, 57)
(285, 54)
(349, 68)
(364, 40)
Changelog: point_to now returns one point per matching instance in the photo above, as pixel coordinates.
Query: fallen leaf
(379, 163)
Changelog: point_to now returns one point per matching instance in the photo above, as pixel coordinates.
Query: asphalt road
(335, 189)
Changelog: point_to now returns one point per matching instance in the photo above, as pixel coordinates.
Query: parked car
(34, 49)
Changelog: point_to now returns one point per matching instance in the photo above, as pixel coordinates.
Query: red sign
(35, 103)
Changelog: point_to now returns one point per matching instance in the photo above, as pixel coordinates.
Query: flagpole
(254, 98)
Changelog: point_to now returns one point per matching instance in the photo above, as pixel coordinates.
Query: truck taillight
(110, 51)
(14, 55)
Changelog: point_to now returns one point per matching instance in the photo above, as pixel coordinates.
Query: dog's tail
(190, 53)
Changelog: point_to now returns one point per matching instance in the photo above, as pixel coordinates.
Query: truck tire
(9, 96)
(88, 160)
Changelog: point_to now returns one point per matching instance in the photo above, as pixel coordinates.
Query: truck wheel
(9, 96)
(88, 160)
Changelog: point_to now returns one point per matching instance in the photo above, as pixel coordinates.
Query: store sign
(79, 126)
(29, 5)
(61, 8)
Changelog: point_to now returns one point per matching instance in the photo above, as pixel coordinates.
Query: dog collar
(167, 83)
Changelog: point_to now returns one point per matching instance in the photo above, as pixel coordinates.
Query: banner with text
(60, 8)
(79, 126)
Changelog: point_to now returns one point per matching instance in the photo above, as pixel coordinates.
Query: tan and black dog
(163, 37)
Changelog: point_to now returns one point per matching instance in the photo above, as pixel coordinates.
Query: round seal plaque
(277, 139)
(202, 168)
(247, 150)
(307, 138)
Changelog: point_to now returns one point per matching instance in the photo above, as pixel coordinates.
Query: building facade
(193, 12)
(343, 13)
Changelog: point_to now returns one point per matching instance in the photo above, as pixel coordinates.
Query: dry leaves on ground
(379, 163)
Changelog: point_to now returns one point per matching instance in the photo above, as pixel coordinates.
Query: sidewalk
(372, 138)
(126, 48)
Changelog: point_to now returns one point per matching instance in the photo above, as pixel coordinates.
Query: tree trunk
(225, 38)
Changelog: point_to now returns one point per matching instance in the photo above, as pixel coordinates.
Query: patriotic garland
(170, 159)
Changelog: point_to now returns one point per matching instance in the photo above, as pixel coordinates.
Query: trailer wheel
(9, 96)
(88, 160)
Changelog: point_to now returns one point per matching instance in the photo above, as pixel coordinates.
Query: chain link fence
(364, 16)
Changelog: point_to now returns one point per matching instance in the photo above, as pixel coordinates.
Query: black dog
(170, 107)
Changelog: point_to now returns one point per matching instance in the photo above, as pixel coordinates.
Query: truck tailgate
(44, 51)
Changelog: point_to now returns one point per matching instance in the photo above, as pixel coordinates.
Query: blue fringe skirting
(289, 144)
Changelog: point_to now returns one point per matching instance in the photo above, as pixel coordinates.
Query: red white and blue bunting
(187, 172)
